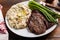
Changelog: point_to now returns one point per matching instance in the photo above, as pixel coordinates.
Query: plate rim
(26, 36)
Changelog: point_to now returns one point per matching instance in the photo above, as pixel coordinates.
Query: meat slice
(41, 16)
(36, 24)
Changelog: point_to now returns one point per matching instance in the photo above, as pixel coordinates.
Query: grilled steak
(37, 23)
(41, 16)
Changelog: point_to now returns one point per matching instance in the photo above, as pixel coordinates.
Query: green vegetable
(47, 15)
(55, 15)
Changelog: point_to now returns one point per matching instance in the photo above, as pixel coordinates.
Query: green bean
(55, 15)
(47, 15)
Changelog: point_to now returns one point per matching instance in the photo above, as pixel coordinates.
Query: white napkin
(3, 31)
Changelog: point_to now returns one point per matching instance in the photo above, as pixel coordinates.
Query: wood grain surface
(55, 35)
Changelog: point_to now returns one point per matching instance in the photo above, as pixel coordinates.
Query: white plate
(25, 33)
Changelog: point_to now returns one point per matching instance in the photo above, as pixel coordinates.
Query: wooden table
(55, 35)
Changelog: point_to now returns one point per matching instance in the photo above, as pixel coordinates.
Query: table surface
(55, 35)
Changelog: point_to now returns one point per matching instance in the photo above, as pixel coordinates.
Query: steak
(37, 23)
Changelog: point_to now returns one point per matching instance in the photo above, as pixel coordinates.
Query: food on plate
(37, 23)
(34, 5)
(18, 15)
(38, 18)
(42, 19)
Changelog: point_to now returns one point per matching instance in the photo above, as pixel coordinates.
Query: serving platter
(24, 32)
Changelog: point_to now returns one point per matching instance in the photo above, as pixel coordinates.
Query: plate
(24, 32)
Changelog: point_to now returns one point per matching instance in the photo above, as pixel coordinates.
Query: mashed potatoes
(18, 15)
